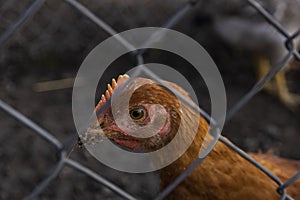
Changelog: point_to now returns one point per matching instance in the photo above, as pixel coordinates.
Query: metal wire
(64, 161)
(30, 124)
(52, 175)
(99, 179)
(156, 36)
(268, 17)
(86, 12)
(22, 20)
(289, 182)
(245, 99)
(179, 179)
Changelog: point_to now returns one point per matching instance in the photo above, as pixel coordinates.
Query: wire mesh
(64, 161)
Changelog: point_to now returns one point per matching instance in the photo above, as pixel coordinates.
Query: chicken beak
(93, 134)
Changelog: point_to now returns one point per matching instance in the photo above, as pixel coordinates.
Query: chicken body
(244, 28)
(222, 175)
(225, 175)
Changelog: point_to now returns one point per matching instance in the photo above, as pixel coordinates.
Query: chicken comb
(111, 88)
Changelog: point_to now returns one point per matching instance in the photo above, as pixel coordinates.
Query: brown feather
(223, 174)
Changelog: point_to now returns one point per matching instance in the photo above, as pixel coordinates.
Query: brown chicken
(222, 175)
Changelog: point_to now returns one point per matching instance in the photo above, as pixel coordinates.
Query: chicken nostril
(79, 142)
(102, 125)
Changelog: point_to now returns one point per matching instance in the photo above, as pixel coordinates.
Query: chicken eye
(137, 113)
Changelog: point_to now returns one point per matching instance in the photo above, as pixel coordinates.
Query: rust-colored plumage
(222, 175)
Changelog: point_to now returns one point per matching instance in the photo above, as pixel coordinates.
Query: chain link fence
(33, 10)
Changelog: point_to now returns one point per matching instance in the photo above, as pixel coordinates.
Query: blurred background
(52, 44)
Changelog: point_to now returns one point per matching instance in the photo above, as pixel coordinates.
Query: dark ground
(263, 124)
